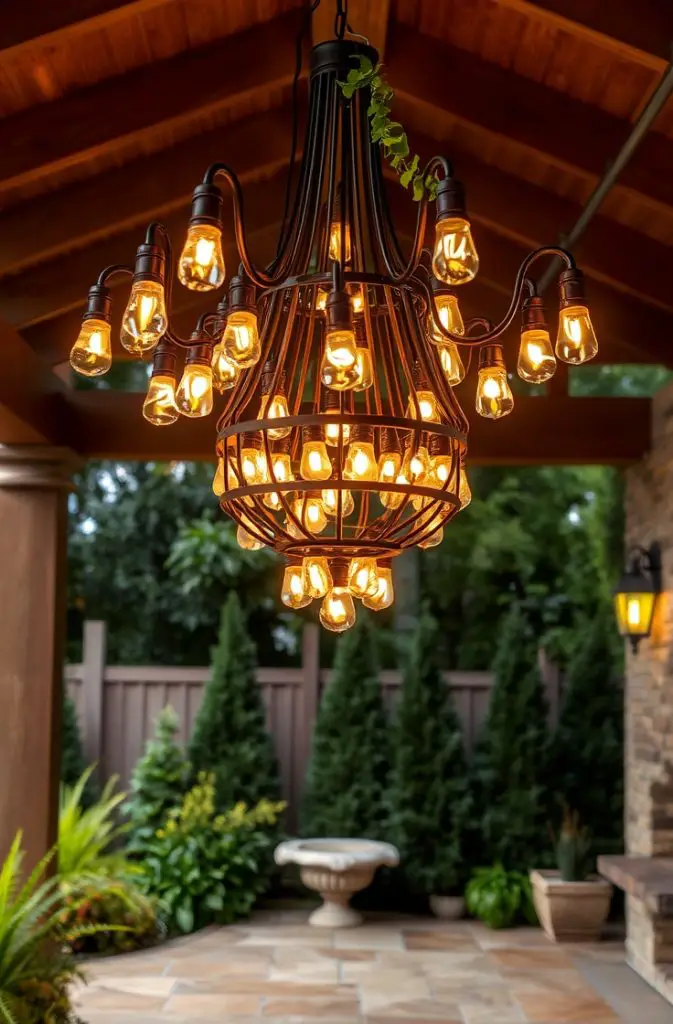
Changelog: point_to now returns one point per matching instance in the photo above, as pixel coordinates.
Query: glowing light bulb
(451, 363)
(454, 260)
(363, 577)
(91, 355)
(360, 461)
(433, 540)
(247, 540)
(315, 462)
(201, 267)
(219, 482)
(389, 473)
(450, 318)
(311, 515)
(321, 300)
(464, 490)
(494, 397)
(318, 576)
(576, 340)
(241, 339)
(357, 298)
(335, 242)
(416, 465)
(332, 431)
(253, 465)
(365, 369)
(536, 362)
(145, 319)
(282, 473)
(293, 592)
(385, 593)
(427, 405)
(194, 396)
(337, 612)
(159, 407)
(275, 408)
(339, 369)
(441, 468)
(225, 372)
(330, 499)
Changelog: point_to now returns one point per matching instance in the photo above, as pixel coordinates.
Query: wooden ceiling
(111, 110)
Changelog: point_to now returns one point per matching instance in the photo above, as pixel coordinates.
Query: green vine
(390, 134)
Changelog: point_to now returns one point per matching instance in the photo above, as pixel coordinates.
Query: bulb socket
(150, 263)
(339, 312)
(282, 447)
(98, 304)
(439, 445)
(438, 287)
(339, 571)
(491, 356)
(418, 378)
(200, 353)
(251, 439)
(362, 432)
(450, 199)
(206, 206)
(388, 441)
(571, 288)
(165, 361)
(268, 374)
(312, 432)
(242, 294)
(333, 401)
(532, 314)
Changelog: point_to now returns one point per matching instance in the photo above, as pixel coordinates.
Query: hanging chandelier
(340, 440)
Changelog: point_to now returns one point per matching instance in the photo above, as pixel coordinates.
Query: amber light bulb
(219, 480)
(318, 578)
(293, 591)
(339, 369)
(145, 319)
(247, 540)
(201, 266)
(321, 300)
(464, 489)
(494, 397)
(337, 612)
(451, 363)
(363, 577)
(315, 463)
(364, 368)
(335, 242)
(385, 592)
(454, 260)
(450, 317)
(281, 465)
(194, 396)
(416, 465)
(275, 408)
(360, 461)
(311, 515)
(357, 298)
(333, 430)
(225, 372)
(576, 340)
(536, 362)
(433, 540)
(241, 339)
(253, 460)
(159, 407)
(427, 406)
(390, 464)
(330, 502)
(91, 355)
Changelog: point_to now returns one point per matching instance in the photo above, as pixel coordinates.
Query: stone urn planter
(448, 908)
(336, 868)
(570, 911)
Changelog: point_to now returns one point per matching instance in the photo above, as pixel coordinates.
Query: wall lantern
(636, 593)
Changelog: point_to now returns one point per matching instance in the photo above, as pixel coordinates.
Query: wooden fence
(117, 705)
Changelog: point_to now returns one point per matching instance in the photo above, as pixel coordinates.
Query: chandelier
(340, 440)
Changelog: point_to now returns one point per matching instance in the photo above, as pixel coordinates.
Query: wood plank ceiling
(111, 109)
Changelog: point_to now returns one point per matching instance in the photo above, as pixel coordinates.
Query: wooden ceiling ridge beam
(571, 134)
(168, 93)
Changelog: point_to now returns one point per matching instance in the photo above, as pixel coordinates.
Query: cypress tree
(429, 788)
(348, 771)
(159, 780)
(589, 743)
(230, 737)
(512, 758)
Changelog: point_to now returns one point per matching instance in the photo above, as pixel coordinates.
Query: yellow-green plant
(86, 834)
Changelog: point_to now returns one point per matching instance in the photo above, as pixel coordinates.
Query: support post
(33, 532)
(93, 667)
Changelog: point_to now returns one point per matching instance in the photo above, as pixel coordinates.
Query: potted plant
(572, 903)
(500, 898)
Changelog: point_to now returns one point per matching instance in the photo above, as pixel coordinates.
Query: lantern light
(636, 594)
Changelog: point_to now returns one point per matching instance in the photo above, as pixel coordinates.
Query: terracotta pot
(448, 908)
(570, 911)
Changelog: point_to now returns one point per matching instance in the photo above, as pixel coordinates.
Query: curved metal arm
(520, 283)
(422, 220)
(112, 271)
(478, 321)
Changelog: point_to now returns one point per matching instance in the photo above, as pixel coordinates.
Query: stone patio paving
(275, 968)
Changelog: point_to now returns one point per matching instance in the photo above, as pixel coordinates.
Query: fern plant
(86, 834)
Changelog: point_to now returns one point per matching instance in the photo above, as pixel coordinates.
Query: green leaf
(366, 65)
(185, 916)
(419, 188)
(399, 146)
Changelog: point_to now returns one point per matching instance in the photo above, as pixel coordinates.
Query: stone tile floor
(276, 969)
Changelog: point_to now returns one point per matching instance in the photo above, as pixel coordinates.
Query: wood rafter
(22, 25)
(32, 406)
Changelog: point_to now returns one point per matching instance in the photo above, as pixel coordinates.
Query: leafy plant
(205, 867)
(573, 848)
(390, 134)
(123, 919)
(86, 834)
(499, 898)
(158, 782)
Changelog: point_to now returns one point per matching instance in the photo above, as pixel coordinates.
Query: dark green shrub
(500, 898)
(158, 783)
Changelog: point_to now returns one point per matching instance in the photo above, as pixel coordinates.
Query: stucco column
(34, 483)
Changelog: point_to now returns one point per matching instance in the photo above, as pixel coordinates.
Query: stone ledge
(649, 879)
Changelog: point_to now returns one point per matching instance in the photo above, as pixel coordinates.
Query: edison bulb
(91, 355)
(318, 578)
(159, 407)
(315, 462)
(450, 318)
(365, 369)
(357, 298)
(360, 461)
(451, 363)
(339, 369)
(536, 362)
(464, 490)
(441, 467)
(416, 465)
(494, 397)
(330, 502)
(219, 481)
(321, 300)
(433, 540)
(241, 339)
(247, 541)
(389, 467)
(201, 267)
(311, 515)
(337, 612)
(253, 465)
(334, 429)
(225, 372)
(454, 260)
(385, 593)
(293, 592)
(363, 577)
(275, 408)
(335, 242)
(427, 406)
(282, 474)
(576, 340)
(145, 319)
(195, 393)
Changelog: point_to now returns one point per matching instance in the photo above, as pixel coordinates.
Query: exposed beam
(366, 17)
(539, 431)
(24, 24)
(32, 410)
(169, 94)
(568, 133)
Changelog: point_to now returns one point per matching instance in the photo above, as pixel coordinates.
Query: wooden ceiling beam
(568, 133)
(22, 25)
(32, 408)
(170, 93)
(540, 431)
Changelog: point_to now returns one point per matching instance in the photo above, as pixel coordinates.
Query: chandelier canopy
(340, 441)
